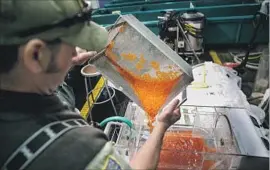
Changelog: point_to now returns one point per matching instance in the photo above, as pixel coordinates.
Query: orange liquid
(178, 151)
(151, 91)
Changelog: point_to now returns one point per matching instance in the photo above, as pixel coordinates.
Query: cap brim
(91, 37)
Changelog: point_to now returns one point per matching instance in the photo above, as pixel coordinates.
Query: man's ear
(36, 56)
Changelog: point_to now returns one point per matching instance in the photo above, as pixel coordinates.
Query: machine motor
(183, 32)
(193, 24)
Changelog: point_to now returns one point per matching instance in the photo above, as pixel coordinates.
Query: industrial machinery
(229, 22)
(183, 33)
(217, 130)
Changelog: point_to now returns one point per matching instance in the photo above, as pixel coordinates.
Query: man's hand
(148, 155)
(82, 56)
(169, 115)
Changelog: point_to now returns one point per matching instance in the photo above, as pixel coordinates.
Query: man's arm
(148, 155)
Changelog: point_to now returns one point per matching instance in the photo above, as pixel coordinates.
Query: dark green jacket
(22, 114)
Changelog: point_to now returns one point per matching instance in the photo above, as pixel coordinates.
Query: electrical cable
(249, 65)
(116, 118)
(238, 60)
(228, 123)
(254, 98)
(252, 56)
(260, 18)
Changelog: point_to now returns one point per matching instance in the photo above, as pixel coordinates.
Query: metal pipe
(110, 96)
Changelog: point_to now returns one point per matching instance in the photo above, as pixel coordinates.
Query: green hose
(116, 118)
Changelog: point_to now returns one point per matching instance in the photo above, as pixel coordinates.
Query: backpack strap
(32, 147)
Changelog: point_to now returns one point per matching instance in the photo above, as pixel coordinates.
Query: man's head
(38, 39)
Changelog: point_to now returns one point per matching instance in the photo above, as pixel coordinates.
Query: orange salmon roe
(152, 92)
(179, 149)
(141, 63)
(129, 56)
(155, 65)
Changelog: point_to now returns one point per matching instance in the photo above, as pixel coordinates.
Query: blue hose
(116, 118)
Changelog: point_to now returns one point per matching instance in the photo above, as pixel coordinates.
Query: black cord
(250, 45)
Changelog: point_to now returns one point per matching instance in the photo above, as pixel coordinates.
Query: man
(37, 48)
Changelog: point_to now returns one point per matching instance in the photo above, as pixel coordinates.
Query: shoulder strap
(32, 147)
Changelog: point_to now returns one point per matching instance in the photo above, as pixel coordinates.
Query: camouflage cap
(22, 20)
